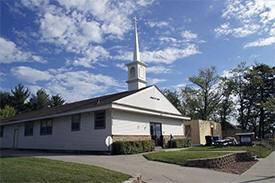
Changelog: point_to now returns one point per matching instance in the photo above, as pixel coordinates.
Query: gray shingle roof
(89, 103)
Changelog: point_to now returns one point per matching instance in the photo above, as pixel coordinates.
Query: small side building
(196, 130)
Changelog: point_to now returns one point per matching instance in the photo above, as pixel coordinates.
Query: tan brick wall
(130, 137)
(201, 128)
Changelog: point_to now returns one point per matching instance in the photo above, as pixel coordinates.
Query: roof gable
(150, 98)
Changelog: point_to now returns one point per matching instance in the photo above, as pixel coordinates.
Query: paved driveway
(157, 172)
(152, 172)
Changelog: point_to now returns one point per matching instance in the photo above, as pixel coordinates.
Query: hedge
(132, 147)
(178, 143)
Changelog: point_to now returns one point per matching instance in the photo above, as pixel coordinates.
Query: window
(132, 72)
(76, 122)
(29, 129)
(100, 120)
(46, 127)
(1, 131)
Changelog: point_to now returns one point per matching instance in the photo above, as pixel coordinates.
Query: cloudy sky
(79, 48)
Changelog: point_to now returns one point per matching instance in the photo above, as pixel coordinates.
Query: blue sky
(79, 48)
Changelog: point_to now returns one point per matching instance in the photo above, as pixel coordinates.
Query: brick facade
(130, 137)
(166, 138)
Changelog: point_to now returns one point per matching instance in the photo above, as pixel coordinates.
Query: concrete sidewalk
(262, 172)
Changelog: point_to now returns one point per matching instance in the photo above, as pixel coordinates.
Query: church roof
(83, 104)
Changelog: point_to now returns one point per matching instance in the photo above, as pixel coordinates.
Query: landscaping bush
(179, 143)
(132, 147)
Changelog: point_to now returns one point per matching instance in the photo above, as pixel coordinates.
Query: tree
(40, 100)
(262, 77)
(202, 100)
(7, 111)
(239, 85)
(56, 100)
(174, 98)
(5, 99)
(226, 105)
(19, 96)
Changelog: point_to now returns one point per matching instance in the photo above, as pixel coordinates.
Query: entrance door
(156, 133)
(15, 138)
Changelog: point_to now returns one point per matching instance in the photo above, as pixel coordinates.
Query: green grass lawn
(259, 150)
(19, 169)
(181, 157)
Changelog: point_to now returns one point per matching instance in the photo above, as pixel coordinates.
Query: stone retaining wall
(221, 162)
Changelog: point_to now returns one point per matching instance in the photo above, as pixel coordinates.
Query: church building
(141, 113)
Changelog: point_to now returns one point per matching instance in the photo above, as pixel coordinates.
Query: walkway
(261, 172)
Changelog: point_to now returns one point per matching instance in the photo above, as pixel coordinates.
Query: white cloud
(158, 24)
(169, 55)
(2, 76)
(153, 81)
(227, 74)
(189, 35)
(181, 85)
(158, 69)
(168, 39)
(84, 25)
(30, 75)
(244, 18)
(261, 42)
(166, 56)
(227, 29)
(9, 53)
(122, 66)
(144, 2)
(72, 85)
(92, 55)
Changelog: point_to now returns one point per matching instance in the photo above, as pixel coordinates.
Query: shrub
(132, 147)
(178, 143)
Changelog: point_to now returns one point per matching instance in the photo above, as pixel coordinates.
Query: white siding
(149, 98)
(62, 137)
(128, 123)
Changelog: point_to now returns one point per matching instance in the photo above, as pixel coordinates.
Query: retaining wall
(221, 162)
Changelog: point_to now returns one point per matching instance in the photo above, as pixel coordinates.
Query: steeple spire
(136, 69)
(136, 46)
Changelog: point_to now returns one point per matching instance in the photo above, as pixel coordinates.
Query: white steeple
(136, 46)
(136, 69)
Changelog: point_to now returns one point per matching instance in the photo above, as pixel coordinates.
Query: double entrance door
(156, 133)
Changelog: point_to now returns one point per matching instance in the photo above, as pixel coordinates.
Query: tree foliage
(56, 100)
(174, 98)
(7, 111)
(245, 95)
(19, 96)
(201, 100)
(19, 101)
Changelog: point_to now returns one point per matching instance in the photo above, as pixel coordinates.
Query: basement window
(100, 120)
(76, 118)
(46, 127)
(29, 129)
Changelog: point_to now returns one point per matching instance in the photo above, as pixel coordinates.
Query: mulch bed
(238, 167)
